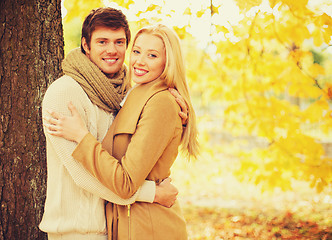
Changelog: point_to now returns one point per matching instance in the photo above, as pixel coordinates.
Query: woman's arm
(57, 97)
(156, 128)
(73, 128)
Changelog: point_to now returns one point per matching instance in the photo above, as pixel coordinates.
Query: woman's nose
(140, 60)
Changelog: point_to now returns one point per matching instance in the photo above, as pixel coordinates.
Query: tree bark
(31, 50)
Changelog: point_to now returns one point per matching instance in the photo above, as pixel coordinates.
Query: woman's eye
(136, 51)
(153, 55)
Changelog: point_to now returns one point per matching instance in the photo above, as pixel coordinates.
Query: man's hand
(166, 193)
(183, 105)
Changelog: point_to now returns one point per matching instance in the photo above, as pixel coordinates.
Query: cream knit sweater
(75, 199)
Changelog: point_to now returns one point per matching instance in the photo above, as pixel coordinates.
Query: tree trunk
(31, 50)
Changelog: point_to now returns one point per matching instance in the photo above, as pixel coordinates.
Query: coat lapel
(128, 117)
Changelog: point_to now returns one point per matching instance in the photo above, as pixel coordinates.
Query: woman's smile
(139, 71)
(147, 59)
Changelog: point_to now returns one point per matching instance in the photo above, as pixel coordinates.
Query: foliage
(278, 92)
(217, 223)
(266, 63)
(75, 11)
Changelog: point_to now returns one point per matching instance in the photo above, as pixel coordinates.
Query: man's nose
(111, 48)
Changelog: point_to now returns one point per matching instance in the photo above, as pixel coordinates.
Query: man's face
(107, 49)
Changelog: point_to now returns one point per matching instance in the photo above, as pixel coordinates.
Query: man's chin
(112, 73)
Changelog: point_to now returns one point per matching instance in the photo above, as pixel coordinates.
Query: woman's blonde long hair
(175, 77)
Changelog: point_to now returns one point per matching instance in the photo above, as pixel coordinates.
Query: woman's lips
(140, 72)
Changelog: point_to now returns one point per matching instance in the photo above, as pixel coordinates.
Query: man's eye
(120, 42)
(101, 42)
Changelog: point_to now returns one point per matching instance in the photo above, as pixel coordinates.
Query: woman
(143, 140)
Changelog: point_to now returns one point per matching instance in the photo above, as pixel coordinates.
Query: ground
(219, 223)
(219, 207)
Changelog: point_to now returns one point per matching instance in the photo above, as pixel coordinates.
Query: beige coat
(144, 138)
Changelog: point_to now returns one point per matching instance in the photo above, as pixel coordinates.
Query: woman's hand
(71, 128)
(183, 105)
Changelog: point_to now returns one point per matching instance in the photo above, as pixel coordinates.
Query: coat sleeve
(57, 98)
(156, 128)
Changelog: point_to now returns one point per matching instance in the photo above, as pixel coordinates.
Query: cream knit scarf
(103, 91)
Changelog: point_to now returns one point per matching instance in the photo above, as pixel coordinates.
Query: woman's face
(147, 58)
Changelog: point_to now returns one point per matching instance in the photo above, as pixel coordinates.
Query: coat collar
(128, 117)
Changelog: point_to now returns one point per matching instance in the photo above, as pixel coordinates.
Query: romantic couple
(110, 146)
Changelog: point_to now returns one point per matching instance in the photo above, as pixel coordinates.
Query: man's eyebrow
(101, 38)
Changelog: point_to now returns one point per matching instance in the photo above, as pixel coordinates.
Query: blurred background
(260, 74)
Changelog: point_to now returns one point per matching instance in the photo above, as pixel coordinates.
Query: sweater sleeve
(155, 129)
(57, 98)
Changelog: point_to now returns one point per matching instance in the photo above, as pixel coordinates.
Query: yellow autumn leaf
(124, 3)
(316, 110)
(200, 13)
(315, 70)
(221, 29)
(317, 36)
(273, 3)
(247, 4)
(322, 20)
(153, 7)
(327, 34)
(187, 11)
(80, 9)
(298, 4)
(181, 32)
(215, 10)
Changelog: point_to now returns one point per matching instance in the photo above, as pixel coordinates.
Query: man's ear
(85, 46)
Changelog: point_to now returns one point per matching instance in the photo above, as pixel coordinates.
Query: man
(95, 81)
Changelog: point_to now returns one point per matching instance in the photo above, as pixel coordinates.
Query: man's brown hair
(104, 17)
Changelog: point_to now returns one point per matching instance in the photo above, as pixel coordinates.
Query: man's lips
(110, 60)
